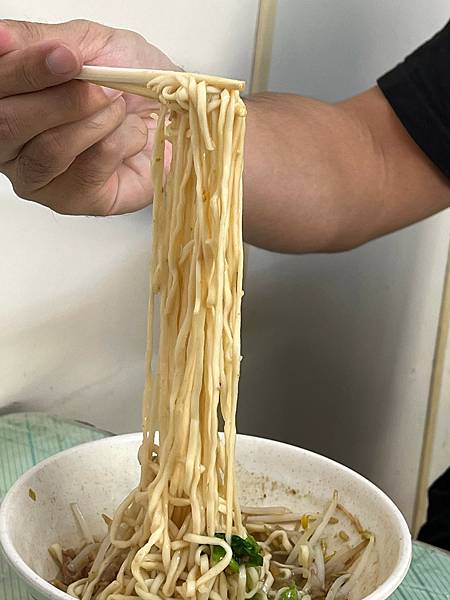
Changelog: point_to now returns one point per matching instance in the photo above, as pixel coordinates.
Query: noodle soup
(98, 475)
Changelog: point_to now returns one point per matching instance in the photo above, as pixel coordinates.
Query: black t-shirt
(418, 90)
(436, 530)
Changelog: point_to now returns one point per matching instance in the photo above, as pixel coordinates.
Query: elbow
(342, 233)
(344, 242)
(345, 237)
(317, 238)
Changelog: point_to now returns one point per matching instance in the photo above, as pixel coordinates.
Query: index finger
(88, 36)
(16, 35)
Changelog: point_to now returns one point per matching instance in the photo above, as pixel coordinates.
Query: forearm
(324, 178)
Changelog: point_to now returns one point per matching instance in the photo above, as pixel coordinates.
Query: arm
(319, 177)
(324, 178)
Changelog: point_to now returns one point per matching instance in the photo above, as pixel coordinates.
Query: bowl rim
(41, 585)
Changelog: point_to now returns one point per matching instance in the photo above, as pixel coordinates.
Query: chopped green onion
(245, 552)
(290, 594)
(217, 553)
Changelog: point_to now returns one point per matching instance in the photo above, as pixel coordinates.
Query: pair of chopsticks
(134, 81)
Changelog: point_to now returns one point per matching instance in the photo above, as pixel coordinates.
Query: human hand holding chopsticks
(70, 145)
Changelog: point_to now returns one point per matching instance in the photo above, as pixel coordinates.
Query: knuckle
(50, 146)
(9, 128)
(28, 75)
(138, 126)
(42, 159)
(95, 124)
(82, 100)
(27, 31)
(72, 100)
(75, 100)
(80, 23)
(113, 114)
(84, 28)
(109, 147)
(93, 37)
(119, 109)
(32, 170)
(140, 132)
(88, 176)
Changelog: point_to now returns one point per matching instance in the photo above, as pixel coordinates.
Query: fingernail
(111, 94)
(61, 61)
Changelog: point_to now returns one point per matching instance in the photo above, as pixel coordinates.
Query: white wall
(74, 290)
(339, 348)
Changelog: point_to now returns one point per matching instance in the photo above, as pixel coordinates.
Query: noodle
(181, 533)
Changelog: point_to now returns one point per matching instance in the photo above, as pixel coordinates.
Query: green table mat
(27, 438)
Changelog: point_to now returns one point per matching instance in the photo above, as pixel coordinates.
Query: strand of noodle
(203, 115)
(75, 588)
(112, 588)
(254, 580)
(268, 583)
(170, 582)
(279, 533)
(242, 582)
(140, 555)
(280, 591)
(149, 404)
(228, 405)
(219, 566)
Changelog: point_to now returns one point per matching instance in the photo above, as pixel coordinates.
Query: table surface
(27, 438)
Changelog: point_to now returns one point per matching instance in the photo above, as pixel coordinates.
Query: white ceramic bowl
(97, 475)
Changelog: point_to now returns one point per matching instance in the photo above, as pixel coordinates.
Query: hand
(70, 145)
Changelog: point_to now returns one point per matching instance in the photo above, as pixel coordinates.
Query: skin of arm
(318, 177)
(326, 178)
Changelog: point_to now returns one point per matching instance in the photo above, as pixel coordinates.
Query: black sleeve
(418, 90)
(436, 530)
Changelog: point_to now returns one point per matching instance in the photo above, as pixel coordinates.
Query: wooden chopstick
(135, 80)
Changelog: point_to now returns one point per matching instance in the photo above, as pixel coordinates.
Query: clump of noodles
(303, 557)
(181, 533)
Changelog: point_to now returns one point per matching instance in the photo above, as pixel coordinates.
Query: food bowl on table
(98, 475)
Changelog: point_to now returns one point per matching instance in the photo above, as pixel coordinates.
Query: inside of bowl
(260, 490)
(268, 473)
(273, 473)
(97, 484)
